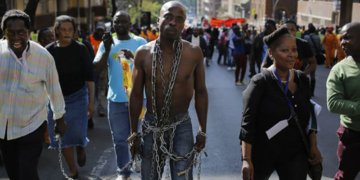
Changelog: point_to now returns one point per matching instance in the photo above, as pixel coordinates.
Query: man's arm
(201, 98)
(312, 65)
(103, 53)
(136, 97)
(336, 101)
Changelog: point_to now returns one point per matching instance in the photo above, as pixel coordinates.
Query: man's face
(269, 28)
(121, 24)
(65, 32)
(47, 38)
(196, 32)
(172, 21)
(100, 32)
(292, 28)
(17, 35)
(349, 39)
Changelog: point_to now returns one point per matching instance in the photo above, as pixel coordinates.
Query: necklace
(289, 77)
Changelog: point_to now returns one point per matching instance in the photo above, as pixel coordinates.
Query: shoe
(229, 68)
(75, 176)
(243, 83)
(90, 123)
(238, 83)
(101, 112)
(233, 68)
(122, 177)
(81, 155)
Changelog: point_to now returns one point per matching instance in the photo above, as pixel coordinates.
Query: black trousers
(293, 169)
(21, 155)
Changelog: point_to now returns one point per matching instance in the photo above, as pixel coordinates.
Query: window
(44, 6)
(315, 21)
(25, 3)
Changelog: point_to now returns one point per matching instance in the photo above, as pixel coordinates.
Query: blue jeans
(183, 144)
(230, 60)
(118, 116)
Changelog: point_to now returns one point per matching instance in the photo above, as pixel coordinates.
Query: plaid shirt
(26, 86)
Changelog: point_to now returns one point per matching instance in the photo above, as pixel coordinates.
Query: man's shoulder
(146, 47)
(138, 39)
(299, 40)
(37, 48)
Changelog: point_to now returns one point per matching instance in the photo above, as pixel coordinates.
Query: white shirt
(195, 40)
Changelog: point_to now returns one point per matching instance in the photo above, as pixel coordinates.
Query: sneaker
(238, 83)
(243, 82)
(122, 177)
(233, 68)
(229, 68)
(101, 112)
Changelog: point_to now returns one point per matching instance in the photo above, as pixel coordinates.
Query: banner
(226, 22)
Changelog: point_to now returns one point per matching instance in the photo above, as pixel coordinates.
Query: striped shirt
(26, 86)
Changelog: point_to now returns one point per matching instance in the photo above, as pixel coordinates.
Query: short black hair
(118, 13)
(41, 33)
(61, 19)
(274, 36)
(290, 21)
(272, 22)
(15, 14)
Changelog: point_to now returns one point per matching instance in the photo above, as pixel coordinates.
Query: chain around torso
(167, 87)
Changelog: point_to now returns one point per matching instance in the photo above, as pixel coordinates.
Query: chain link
(57, 138)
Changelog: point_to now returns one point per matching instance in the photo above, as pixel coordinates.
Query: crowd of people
(51, 87)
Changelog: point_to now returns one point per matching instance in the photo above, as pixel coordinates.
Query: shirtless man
(189, 79)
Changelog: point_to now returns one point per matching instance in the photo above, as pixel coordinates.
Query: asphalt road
(223, 148)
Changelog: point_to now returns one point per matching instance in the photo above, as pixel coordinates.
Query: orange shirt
(329, 40)
(95, 43)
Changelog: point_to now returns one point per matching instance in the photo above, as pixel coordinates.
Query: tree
(147, 5)
(31, 10)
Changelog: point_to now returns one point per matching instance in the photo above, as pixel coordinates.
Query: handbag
(314, 171)
(320, 58)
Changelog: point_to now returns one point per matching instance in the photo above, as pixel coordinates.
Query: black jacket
(203, 45)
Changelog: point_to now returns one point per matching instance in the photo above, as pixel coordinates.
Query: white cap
(100, 25)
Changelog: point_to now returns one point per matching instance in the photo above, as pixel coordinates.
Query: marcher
(198, 40)
(118, 114)
(28, 77)
(45, 37)
(76, 76)
(329, 42)
(179, 65)
(343, 96)
(239, 55)
(266, 104)
(222, 46)
(260, 46)
(314, 41)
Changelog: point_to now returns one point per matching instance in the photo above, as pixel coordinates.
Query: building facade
(277, 10)
(324, 13)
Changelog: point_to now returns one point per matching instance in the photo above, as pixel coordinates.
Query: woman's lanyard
(285, 88)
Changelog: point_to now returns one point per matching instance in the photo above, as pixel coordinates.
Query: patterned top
(26, 86)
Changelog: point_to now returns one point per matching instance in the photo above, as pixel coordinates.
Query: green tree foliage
(147, 5)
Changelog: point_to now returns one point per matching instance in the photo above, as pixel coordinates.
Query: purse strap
(312, 40)
(294, 115)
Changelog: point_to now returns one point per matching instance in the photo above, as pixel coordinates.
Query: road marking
(96, 171)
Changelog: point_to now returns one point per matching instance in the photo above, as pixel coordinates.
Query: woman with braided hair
(271, 98)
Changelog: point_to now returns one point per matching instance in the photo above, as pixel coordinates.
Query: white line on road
(96, 171)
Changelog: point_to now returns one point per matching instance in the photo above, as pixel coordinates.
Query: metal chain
(57, 138)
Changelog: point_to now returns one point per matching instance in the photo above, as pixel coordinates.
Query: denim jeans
(230, 60)
(183, 144)
(118, 116)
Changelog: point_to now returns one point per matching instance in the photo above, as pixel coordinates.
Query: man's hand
(91, 110)
(247, 171)
(107, 40)
(60, 126)
(128, 54)
(316, 156)
(135, 148)
(200, 142)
